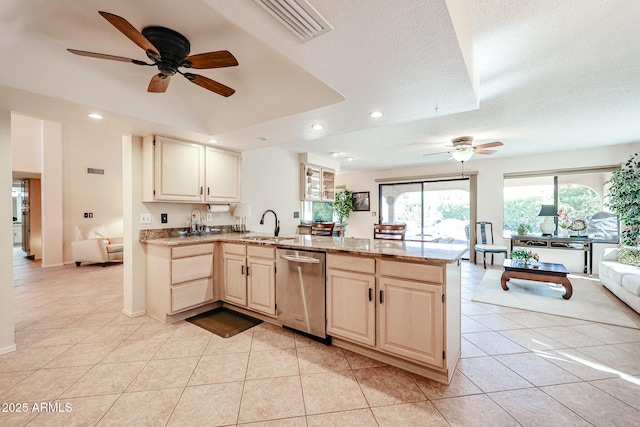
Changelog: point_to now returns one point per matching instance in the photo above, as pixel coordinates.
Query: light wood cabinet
(249, 277)
(179, 279)
(410, 321)
(223, 172)
(351, 306)
(182, 171)
(393, 307)
(317, 183)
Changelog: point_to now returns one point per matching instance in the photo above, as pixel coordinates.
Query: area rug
(590, 300)
(224, 322)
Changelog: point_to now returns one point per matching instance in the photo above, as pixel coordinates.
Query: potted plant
(624, 199)
(523, 226)
(343, 205)
(524, 255)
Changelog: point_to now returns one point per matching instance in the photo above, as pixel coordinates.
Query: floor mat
(224, 322)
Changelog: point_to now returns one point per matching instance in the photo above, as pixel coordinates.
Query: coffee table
(540, 272)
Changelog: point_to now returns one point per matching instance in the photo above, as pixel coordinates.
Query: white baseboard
(136, 314)
(8, 349)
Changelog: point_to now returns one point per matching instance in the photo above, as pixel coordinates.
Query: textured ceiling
(538, 75)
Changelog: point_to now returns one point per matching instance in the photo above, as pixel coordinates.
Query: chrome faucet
(277, 229)
(195, 225)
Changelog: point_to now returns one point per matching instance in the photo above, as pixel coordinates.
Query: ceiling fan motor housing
(173, 48)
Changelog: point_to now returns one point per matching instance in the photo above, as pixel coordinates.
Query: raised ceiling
(537, 75)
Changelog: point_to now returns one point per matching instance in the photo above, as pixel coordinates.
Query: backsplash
(160, 233)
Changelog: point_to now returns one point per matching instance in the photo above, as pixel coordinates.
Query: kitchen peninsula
(397, 302)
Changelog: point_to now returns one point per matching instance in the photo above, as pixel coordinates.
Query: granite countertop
(433, 253)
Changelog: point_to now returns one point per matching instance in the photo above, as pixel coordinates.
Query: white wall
(490, 182)
(51, 192)
(83, 192)
(26, 138)
(271, 180)
(7, 342)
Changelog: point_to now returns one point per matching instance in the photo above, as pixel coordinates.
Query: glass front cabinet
(317, 183)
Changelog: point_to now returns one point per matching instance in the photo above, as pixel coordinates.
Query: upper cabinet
(317, 183)
(181, 171)
(222, 175)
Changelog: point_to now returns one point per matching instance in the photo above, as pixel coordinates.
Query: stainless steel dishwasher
(300, 291)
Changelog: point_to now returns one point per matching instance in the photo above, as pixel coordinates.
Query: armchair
(92, 245)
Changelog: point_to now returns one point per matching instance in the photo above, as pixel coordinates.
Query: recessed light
(349, 159)
(376, 114)
(262, 138)
(213, 141)
(95, 116)
(318, 126)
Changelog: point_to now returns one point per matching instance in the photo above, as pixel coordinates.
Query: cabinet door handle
(201, 191)
(247, 270)
(381, 297)
(242, 270)
(208, 191)
(370, 294)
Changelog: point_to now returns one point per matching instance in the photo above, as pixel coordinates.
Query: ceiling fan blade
(435, 154)
(489, 144)
(482, 151)
(159, 84)
(105, 56)
(222, 58)
(209, 84)
(129, 30)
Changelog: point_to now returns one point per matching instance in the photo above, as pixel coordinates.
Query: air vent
(95, 171)
(297, 16)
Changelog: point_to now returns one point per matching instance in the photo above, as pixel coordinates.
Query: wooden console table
(573, 243)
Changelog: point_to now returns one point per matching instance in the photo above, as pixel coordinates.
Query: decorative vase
(527, 262)
(563, 232)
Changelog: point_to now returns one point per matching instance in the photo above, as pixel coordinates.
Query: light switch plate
(145, 218)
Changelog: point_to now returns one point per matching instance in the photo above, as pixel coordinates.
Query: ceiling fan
(463, 148)
(168, 50)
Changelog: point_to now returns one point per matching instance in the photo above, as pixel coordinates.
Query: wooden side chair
(322, 228)
(389, 231)
(484, 231)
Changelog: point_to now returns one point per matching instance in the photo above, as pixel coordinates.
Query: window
(579, 193)
(317, 212)
(433, 208)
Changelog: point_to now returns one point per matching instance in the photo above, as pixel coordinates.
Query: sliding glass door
(432, 210)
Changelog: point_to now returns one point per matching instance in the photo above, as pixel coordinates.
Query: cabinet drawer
(191, 268)
(351, 263)
(233, 248)
(407, 270)
(191, 294)
(185, 251)
(261, 251)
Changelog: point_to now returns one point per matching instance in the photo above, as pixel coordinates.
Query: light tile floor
(75, 348)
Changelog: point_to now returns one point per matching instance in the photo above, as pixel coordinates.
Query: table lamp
(547, 226)
(242, 211)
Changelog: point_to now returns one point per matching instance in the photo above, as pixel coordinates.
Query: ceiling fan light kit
(463, 148)
(168, 50)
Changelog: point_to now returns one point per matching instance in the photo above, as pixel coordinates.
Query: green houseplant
(343, 205)
(624, 199)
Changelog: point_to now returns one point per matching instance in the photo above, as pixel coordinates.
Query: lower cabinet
(179, 278)
(249, 278)
(393, 307)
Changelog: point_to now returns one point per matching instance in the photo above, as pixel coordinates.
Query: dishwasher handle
(301, 259)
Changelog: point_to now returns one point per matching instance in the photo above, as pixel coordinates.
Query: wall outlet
(373, 214)
(164, 218)
(209, 216)
(296, 214)
(145, 218)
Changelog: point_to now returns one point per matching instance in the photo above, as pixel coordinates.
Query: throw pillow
(629, 256)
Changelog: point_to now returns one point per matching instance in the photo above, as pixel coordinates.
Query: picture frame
(361, 201)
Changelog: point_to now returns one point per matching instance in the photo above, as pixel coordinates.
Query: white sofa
(92, 245)
(621, 279)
